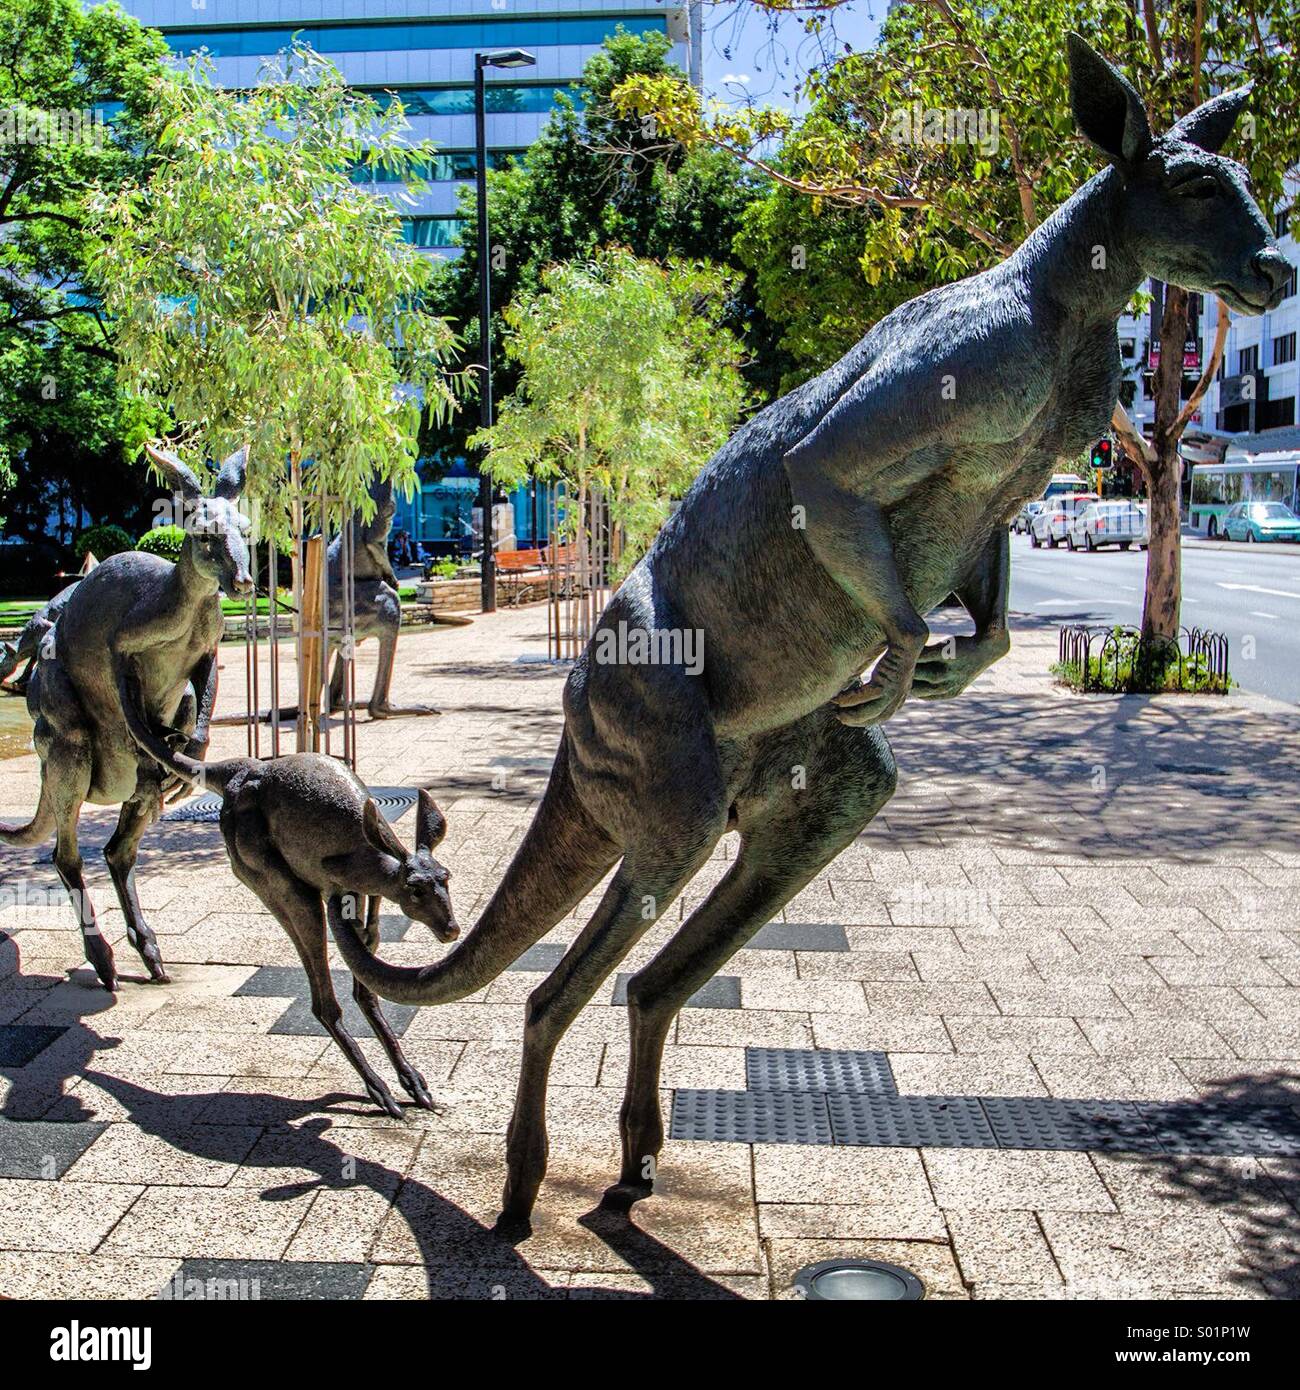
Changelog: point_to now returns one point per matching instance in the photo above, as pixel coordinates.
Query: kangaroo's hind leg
(120, 853)
(412, 1082)
(787, 837)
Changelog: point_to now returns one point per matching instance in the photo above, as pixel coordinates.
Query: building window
(256, 41)
(499, 98)
(445, 166)
(1247, 360)
(1284, 349)
(431, 231)
(1290, 285)
(1282, 222)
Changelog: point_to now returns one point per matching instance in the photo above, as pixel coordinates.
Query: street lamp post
(497, 58)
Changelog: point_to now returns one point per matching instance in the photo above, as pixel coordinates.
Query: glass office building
(423, 50)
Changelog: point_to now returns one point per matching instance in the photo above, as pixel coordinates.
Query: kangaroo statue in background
(27, 646)
(377, 606)
(810, 546)
(137, 615)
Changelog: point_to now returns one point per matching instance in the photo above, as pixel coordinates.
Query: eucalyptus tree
(955, 132)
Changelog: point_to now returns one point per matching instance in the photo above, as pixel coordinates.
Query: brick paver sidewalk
(1066, 901)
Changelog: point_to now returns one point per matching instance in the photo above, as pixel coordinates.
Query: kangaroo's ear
(1209, 126)
(379, 834)
(232, 475)
(1107, 109)
(177, 474)
(430, 823)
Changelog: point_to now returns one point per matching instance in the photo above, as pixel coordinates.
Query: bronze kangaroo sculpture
(809, 547)
(165, 619)
(304, 834)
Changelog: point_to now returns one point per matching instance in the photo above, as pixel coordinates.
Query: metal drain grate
(394, 802)
(946, 1122)
(751, 1117)
(800, 1069)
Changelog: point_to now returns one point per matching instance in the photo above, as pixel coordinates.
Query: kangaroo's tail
(37, 830)
(563, 856)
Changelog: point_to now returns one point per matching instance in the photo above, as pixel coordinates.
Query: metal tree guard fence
(319, 628)
(1095, 652)
(579, 559)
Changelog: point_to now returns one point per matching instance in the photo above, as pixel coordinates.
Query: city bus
(1268, 477)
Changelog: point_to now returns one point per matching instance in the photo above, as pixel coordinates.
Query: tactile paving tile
(721, 992)
(20, 1042)
(1037, 1122)
(1209, 1127)
(545, 956)
(42, 1149)
(829, 1069)
(947, 1122)
(234, 1280)
(799, 936)
(751, 1117)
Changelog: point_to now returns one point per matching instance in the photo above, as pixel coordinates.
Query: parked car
(1261, 521)
(1121, 522)
(1026, 515)
(1052, 524)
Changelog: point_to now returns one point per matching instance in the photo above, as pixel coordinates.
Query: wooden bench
(519, 571)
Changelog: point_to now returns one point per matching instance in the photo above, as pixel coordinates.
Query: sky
(751, 54)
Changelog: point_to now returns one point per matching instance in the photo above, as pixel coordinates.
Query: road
(1247, 592)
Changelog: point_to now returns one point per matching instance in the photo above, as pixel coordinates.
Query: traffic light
(1103, 453)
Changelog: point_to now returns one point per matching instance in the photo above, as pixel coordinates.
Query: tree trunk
(1164, 581)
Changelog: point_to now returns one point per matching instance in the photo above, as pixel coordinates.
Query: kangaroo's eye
(1199, 188)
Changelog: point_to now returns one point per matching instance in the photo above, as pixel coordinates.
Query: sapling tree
(261, 297)
(628, 382)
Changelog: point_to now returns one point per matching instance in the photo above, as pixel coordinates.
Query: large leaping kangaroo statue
(811, 544)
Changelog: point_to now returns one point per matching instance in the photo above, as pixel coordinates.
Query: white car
(1052, 524)
(1121, 522)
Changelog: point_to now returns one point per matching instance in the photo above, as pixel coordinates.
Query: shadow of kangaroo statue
(810, 545)
(135, 610)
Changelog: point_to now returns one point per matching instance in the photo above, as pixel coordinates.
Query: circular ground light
(861, 1281)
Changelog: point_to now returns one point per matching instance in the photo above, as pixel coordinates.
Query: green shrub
(103, 541)
(1130, 666)
(443, 569)
(163, 540)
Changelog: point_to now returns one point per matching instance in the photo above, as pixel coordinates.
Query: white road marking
(1257, 613)
(1259, 589)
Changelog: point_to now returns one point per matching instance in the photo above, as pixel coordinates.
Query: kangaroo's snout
(1274, 268)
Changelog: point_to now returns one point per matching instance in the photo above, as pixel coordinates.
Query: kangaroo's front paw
(875, 700)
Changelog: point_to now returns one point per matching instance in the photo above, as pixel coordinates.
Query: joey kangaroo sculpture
(810, 546)
(163, 621)
(27, 646)
(304, 834)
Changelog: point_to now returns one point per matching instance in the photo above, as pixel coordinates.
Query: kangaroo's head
(1187, 214)
(422, 881)
(216, 531)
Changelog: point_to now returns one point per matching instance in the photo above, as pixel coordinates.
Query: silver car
(1025, 516)
(1122, 522)
(1051, 524)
